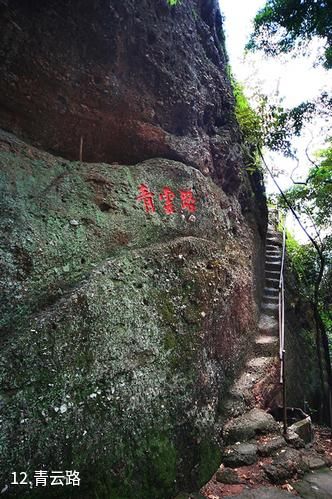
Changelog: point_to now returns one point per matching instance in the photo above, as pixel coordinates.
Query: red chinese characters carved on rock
(167, 196)
(147, 197)
(188, 201)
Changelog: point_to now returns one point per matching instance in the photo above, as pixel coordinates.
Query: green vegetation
(314, 197)
(249, 121)
(269, 125)
(250, 126)
(315, 289)
(312, 263)
(210, 457)
(279, 27)
(301, 20)
(303, 261)
(280, 124)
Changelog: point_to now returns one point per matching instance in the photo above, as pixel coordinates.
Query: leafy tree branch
(313, 199)
(296, 22)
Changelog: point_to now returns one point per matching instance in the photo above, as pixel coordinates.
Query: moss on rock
(116, 329)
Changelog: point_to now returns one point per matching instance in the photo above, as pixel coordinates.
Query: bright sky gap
(294, 79)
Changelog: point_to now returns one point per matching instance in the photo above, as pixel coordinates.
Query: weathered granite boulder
(228, 476)
(287, 464)
(304, 429)
(248, 425)
(121, 330)
(271, 445)
(240, 454)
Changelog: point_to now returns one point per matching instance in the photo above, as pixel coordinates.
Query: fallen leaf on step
(287, 487)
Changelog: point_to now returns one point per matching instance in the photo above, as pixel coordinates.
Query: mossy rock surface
(121, 330)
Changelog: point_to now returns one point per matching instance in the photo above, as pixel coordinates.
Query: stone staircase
(266, 343)
(241, 397)
(252, 437)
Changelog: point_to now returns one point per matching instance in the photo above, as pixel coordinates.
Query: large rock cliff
(123, 319)
(134, 79)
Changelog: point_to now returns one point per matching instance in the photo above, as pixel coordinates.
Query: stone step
(235, 405)
(245, 454)
(267, 345)
(274, 239)
(273, 236)
(270, 309)
(248, 425)
(271, 299)
(272, 258)
(272, 274)
(275, 272)
(268, 325)
(273, 266)
(240, 454)
(270, 445)
(289, 463)
(271, 291)
(272, 283)
(272, 255)
(240, 397)
(272, 247)
(273, 261)
(275, 258)
(258, 365)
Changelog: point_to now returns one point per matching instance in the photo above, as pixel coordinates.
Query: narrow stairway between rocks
(268, 339)
(265, 360)
(257, 456)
